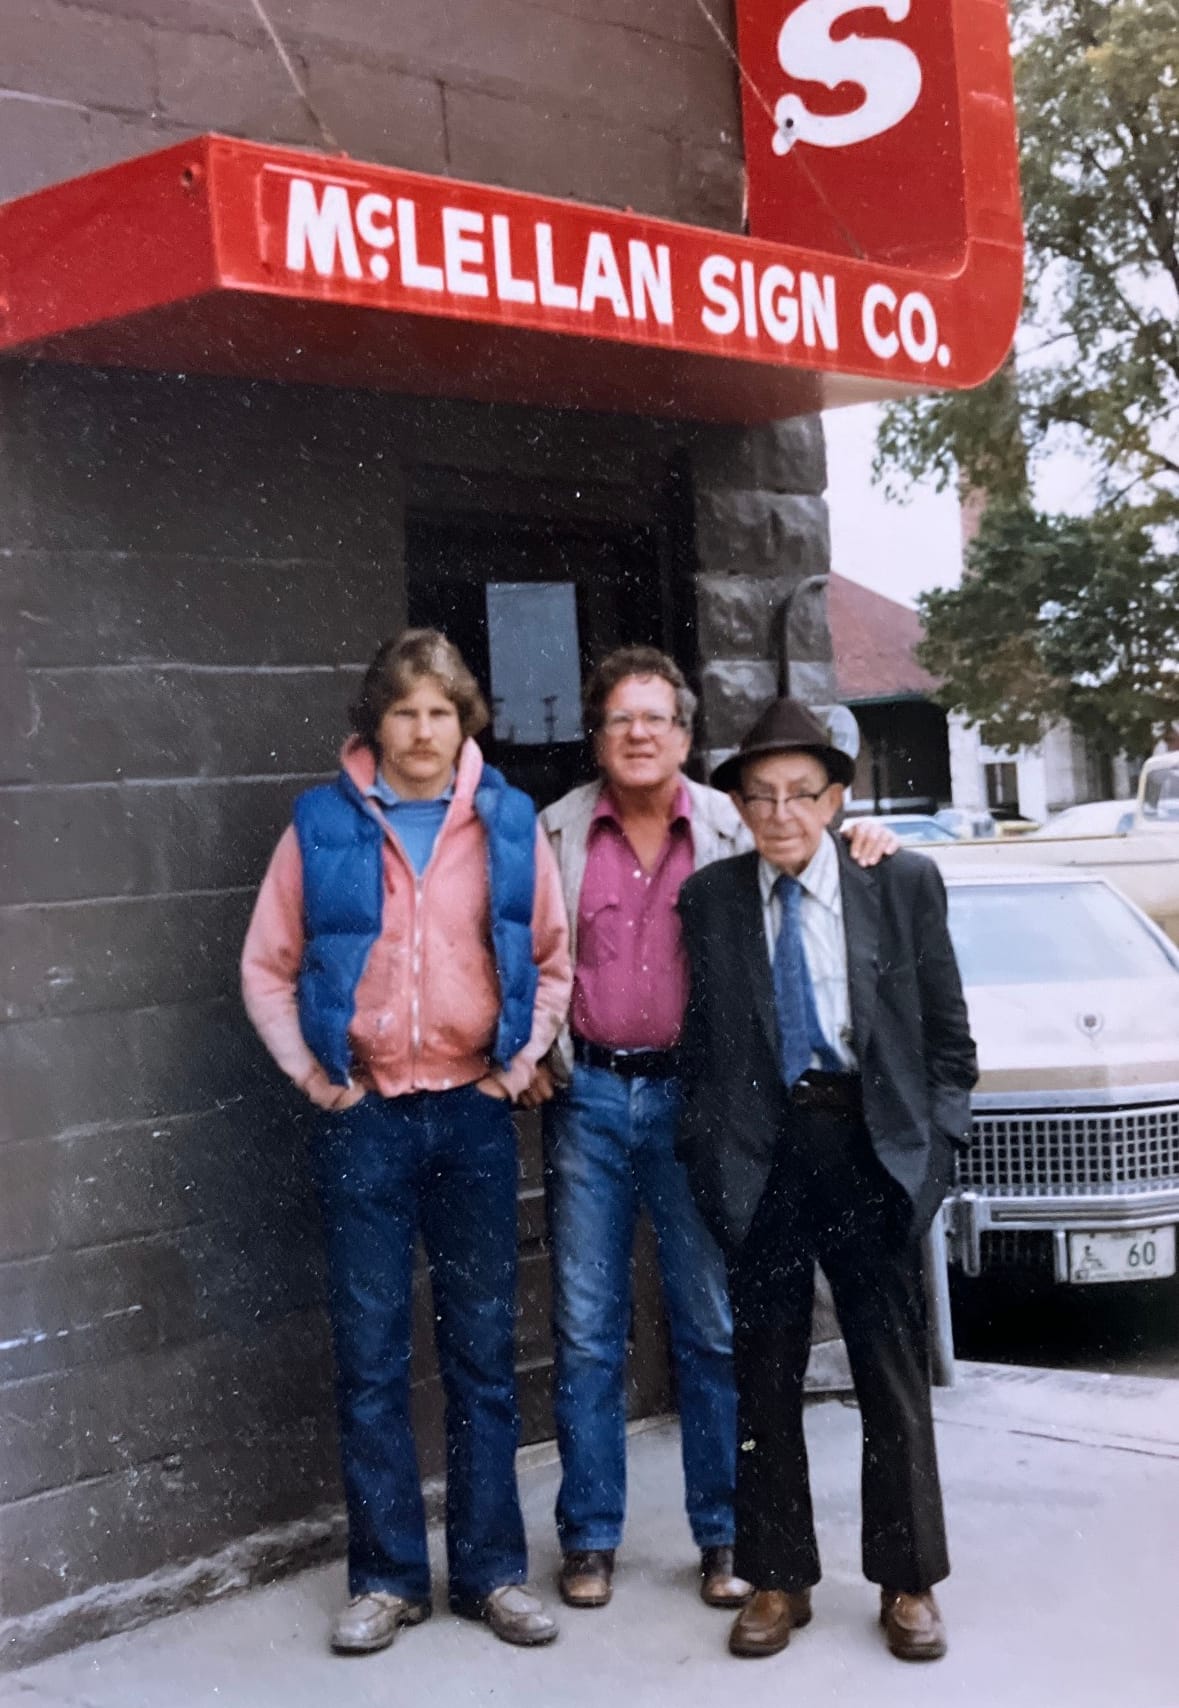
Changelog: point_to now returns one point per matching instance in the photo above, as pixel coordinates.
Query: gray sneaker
(515, 1613)
(370, 1622)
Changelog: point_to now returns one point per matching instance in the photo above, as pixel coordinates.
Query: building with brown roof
(904, 759)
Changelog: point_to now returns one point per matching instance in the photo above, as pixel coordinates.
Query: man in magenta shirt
(624, 845)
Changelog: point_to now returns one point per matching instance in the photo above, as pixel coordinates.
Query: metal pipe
(802, 587)
(935, 1270)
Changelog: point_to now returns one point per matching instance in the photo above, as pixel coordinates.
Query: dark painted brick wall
(623, 102)
(191, 576)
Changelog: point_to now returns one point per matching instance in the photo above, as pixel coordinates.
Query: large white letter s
(888, 72)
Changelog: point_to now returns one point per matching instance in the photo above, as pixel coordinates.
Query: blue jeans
(608, 1147)
(442, 1163)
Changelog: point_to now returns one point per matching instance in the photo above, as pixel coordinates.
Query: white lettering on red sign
(888, 73)
(508, 288)
(462, 248)
(908, 323)
(772, 301)
(413, 274)
(323, 227)
(366, 237)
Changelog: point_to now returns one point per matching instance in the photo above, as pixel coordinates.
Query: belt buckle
(629, 1064)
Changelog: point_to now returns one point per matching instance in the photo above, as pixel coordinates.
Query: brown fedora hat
(784, 727)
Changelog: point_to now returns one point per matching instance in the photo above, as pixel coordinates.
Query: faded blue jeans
(608, 1149)
(442, 1163)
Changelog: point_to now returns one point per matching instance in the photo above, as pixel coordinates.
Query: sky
(902, 549)
(899, 550)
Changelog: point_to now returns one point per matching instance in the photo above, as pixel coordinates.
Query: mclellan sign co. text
(412, 250)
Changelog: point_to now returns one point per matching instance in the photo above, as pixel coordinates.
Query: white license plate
(1143, 1255)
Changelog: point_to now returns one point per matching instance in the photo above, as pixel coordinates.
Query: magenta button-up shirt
(630, 983)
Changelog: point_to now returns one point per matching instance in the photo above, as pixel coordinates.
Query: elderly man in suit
(827, 1062)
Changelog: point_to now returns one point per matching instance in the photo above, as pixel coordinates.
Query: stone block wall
(626, 103)
(761, 532)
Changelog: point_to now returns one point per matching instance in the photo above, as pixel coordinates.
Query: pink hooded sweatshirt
(428, 999)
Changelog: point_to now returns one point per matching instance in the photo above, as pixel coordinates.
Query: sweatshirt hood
(359, 763)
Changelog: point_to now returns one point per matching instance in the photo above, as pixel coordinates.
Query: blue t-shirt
(416, 823)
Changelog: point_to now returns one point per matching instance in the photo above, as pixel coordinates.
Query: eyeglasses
(762, 807)
(621, 723)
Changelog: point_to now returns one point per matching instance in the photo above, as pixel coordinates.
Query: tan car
(1074, 1002)
(1141, 858)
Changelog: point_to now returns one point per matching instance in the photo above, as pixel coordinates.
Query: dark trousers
(442, 1163)
(829, 1200)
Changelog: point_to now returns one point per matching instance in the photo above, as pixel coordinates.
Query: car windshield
(1050, 934)
(1160, 796)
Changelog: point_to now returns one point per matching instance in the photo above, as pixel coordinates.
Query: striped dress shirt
(823, 942)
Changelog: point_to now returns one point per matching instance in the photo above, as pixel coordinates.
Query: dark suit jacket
(911, 1034)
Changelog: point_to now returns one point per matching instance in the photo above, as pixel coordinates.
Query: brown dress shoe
(719, 1585)
(764, 1624)
(584, 1578)
(912, 1625)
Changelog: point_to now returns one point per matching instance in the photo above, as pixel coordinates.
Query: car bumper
(970, 1215)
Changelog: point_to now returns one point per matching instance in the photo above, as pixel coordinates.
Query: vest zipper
(416, 982)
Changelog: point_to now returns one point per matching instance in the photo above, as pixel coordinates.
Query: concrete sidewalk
(1063, 1500)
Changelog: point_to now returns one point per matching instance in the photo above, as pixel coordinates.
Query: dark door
(532, 606)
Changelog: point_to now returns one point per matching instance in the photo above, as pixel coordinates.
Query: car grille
(1075, 1151)
(1025, 1249)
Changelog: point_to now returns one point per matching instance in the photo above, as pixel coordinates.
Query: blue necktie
(800, 1036)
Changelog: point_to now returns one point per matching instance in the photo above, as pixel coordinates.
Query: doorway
(532, 606)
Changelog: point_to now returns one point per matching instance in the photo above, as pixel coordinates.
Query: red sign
(882, 129)
(434, 247)
(230, 257)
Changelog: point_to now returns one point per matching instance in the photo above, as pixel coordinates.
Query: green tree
(1097, 88)
(1060, 617)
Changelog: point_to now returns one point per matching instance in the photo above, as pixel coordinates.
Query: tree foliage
(1097, 88)
(1059, 617)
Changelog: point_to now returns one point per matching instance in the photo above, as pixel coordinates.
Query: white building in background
(913, 758)
(1060, 771)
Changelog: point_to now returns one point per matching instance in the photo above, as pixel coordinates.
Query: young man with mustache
(407, 965)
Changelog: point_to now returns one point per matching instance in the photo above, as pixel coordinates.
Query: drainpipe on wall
(801, 620)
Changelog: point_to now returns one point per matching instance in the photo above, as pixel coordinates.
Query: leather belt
(627, 1064)
(838, 1093)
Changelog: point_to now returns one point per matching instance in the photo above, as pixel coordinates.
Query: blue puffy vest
(341, 841)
